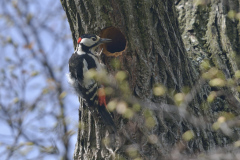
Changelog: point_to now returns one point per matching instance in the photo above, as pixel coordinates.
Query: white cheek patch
(87, 42)
(79, 50)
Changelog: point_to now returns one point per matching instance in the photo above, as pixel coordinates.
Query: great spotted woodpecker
(82, 61)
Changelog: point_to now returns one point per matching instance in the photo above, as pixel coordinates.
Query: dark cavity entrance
(118, 43)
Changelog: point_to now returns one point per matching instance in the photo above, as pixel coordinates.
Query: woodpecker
(83, 60)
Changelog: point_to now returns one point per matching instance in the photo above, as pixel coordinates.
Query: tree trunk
(210, 30)
(149, 47)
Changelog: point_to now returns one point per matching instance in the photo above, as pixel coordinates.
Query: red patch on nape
(79, 40)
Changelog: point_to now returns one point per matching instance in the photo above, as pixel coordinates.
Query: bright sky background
(53, 33)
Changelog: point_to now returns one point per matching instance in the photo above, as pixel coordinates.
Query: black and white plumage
(81, 62)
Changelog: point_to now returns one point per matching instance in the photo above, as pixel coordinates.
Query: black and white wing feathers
(79, 65)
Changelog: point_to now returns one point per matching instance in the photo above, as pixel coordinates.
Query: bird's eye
(94, 38)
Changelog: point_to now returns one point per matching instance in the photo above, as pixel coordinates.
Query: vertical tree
(148, 45)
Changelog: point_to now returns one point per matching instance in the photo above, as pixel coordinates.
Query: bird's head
(89, 42)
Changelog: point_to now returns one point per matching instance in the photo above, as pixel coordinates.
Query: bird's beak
(104, 40)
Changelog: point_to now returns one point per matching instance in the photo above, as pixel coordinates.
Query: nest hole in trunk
(118, 44)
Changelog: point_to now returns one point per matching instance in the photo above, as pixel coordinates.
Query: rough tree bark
(156, 54)
(208, 32)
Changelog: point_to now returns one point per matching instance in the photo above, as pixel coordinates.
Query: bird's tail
(102, 109)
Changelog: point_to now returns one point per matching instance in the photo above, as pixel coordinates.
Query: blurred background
(38, 109)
